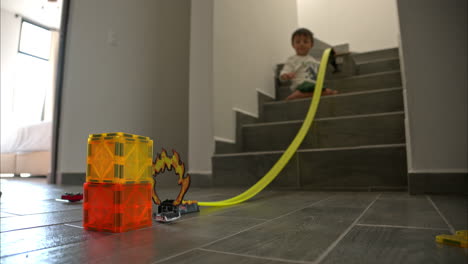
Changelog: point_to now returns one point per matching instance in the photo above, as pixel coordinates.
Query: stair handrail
(292, 148)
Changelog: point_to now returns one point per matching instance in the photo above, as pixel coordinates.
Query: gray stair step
(387, 128)
(381, 65)
(379, 167)
(367, 82)
(371, 168)
(357, 103)
(356, 83)
(375, 55)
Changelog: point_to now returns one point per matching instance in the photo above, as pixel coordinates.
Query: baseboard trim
(235, 109)
(71, 178)
(265, 94)
(224, 140)
(438, 183)
(201, 179)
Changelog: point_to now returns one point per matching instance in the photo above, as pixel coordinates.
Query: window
(35, 40)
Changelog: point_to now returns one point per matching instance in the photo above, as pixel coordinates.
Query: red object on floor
(117, 207)
(72, 197)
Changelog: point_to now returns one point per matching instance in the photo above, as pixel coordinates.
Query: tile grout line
(441, 215)
(406, 227)
(281, 216)
(63, 211)
(334, 244)
(40, 249)
(11, 214)
(247, 229)
(32, 227)
(242, 217)
(256, 257)
(42, 213)
(74, 226)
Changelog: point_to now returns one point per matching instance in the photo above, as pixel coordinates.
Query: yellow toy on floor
(460, 239)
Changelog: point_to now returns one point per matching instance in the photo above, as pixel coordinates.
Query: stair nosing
(362, 76)
(359, 54)
(325, 119)
(377, 60)
(251, 153)
(383, 90)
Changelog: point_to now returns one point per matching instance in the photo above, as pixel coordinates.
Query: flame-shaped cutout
(163, 162)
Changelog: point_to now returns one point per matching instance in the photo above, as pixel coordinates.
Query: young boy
(302, 68)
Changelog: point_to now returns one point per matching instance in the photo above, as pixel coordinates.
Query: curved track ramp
(287, 155)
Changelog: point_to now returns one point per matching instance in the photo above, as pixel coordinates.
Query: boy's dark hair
(303, 32)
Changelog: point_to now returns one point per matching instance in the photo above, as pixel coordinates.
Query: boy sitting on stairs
(302, 68)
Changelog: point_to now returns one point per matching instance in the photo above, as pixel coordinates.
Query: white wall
(10, 30)
(41, 11)
(126, 69)
(201, 143)
(434, 46)
(250, 37)
(365, 24)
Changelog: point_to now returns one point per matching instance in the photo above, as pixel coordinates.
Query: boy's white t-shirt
(305, 68)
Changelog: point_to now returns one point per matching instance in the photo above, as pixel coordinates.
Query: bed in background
(28, 150)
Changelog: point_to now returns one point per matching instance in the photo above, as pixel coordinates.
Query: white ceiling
(41, 11)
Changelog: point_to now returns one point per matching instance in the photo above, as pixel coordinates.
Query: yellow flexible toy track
(287, 155)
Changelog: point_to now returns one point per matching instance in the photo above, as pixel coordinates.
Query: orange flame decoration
(160, 164)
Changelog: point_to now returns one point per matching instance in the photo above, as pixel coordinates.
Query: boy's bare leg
(298, 94)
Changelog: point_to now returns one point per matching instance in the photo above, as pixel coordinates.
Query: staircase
(356, 143)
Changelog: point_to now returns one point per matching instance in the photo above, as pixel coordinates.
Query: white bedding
(36, 137)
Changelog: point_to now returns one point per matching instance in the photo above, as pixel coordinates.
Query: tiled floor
(274, 227)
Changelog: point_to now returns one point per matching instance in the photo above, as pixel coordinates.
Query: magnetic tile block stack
(118, 188)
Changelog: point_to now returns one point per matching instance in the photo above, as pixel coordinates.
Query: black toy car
(167, 212)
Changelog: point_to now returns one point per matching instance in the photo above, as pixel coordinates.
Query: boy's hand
(288, 76)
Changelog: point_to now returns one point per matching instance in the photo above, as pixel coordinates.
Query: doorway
(30, 58)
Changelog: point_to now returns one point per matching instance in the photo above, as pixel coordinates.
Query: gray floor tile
(274, 226)
(60, 254)
(208, 226)
(219, 194)
(403, 212)
(26, 240)
(401, 196)
(300, 236)
(454, 209)
(350, 200)
(37, 220)
(393, 245)
(4, 215)
(276, 206)
(32, 189)
(207, 257)
(139, 246)
(25, 207)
